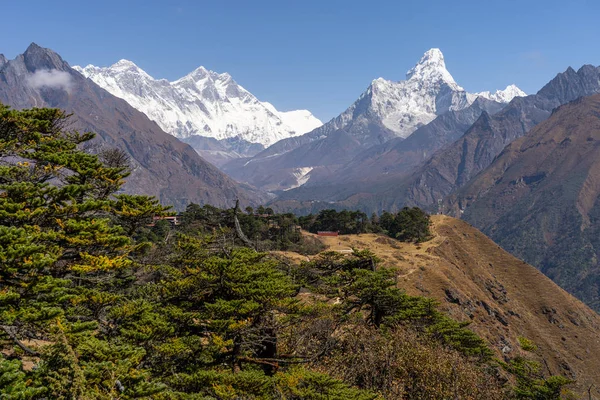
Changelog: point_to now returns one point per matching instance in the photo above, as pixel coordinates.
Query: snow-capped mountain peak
(202, 102)
(431, 67)
(203, 73)
(428, 90)
(402, 107)
(503, 96)
(125, 64)
(121, 67)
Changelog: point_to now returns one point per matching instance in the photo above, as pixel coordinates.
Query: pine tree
(233, 297)
(13, 382)
(530, 383)
(411, 225)
(59, 250)
(135, 212)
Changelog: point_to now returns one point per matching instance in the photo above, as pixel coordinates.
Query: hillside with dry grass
(503, 297)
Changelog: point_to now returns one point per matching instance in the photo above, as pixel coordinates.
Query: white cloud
(50, 78)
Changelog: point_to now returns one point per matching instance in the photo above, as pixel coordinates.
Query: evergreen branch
(10, 331)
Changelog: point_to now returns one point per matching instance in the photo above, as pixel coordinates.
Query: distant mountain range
(162, 165)
(386, 110)
(202, 103)
(412, 175)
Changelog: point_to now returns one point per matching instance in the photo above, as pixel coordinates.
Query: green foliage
(527, 344)
(409, 225)
(344, 222)
(299, 384)
(295, 384)
(530, 383)
(455, 335)
(136, 212)
(13, 382)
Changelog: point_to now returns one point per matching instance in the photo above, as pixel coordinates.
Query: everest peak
(123, 63)
(127, 66)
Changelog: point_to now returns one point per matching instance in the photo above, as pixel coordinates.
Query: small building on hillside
(327, 233)
(173, 219)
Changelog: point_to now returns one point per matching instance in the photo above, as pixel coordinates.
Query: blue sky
(318, 55)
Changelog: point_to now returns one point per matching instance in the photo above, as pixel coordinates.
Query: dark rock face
(540, 198)
(568, 86)
(162, 165)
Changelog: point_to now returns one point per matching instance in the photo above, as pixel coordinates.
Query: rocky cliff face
(162, 165)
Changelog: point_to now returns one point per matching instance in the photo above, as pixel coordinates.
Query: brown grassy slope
(504, 298)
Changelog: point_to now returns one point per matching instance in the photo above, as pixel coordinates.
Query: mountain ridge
(201, 103)
(501, 297)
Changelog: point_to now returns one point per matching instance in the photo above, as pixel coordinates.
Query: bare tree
(115, 158)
